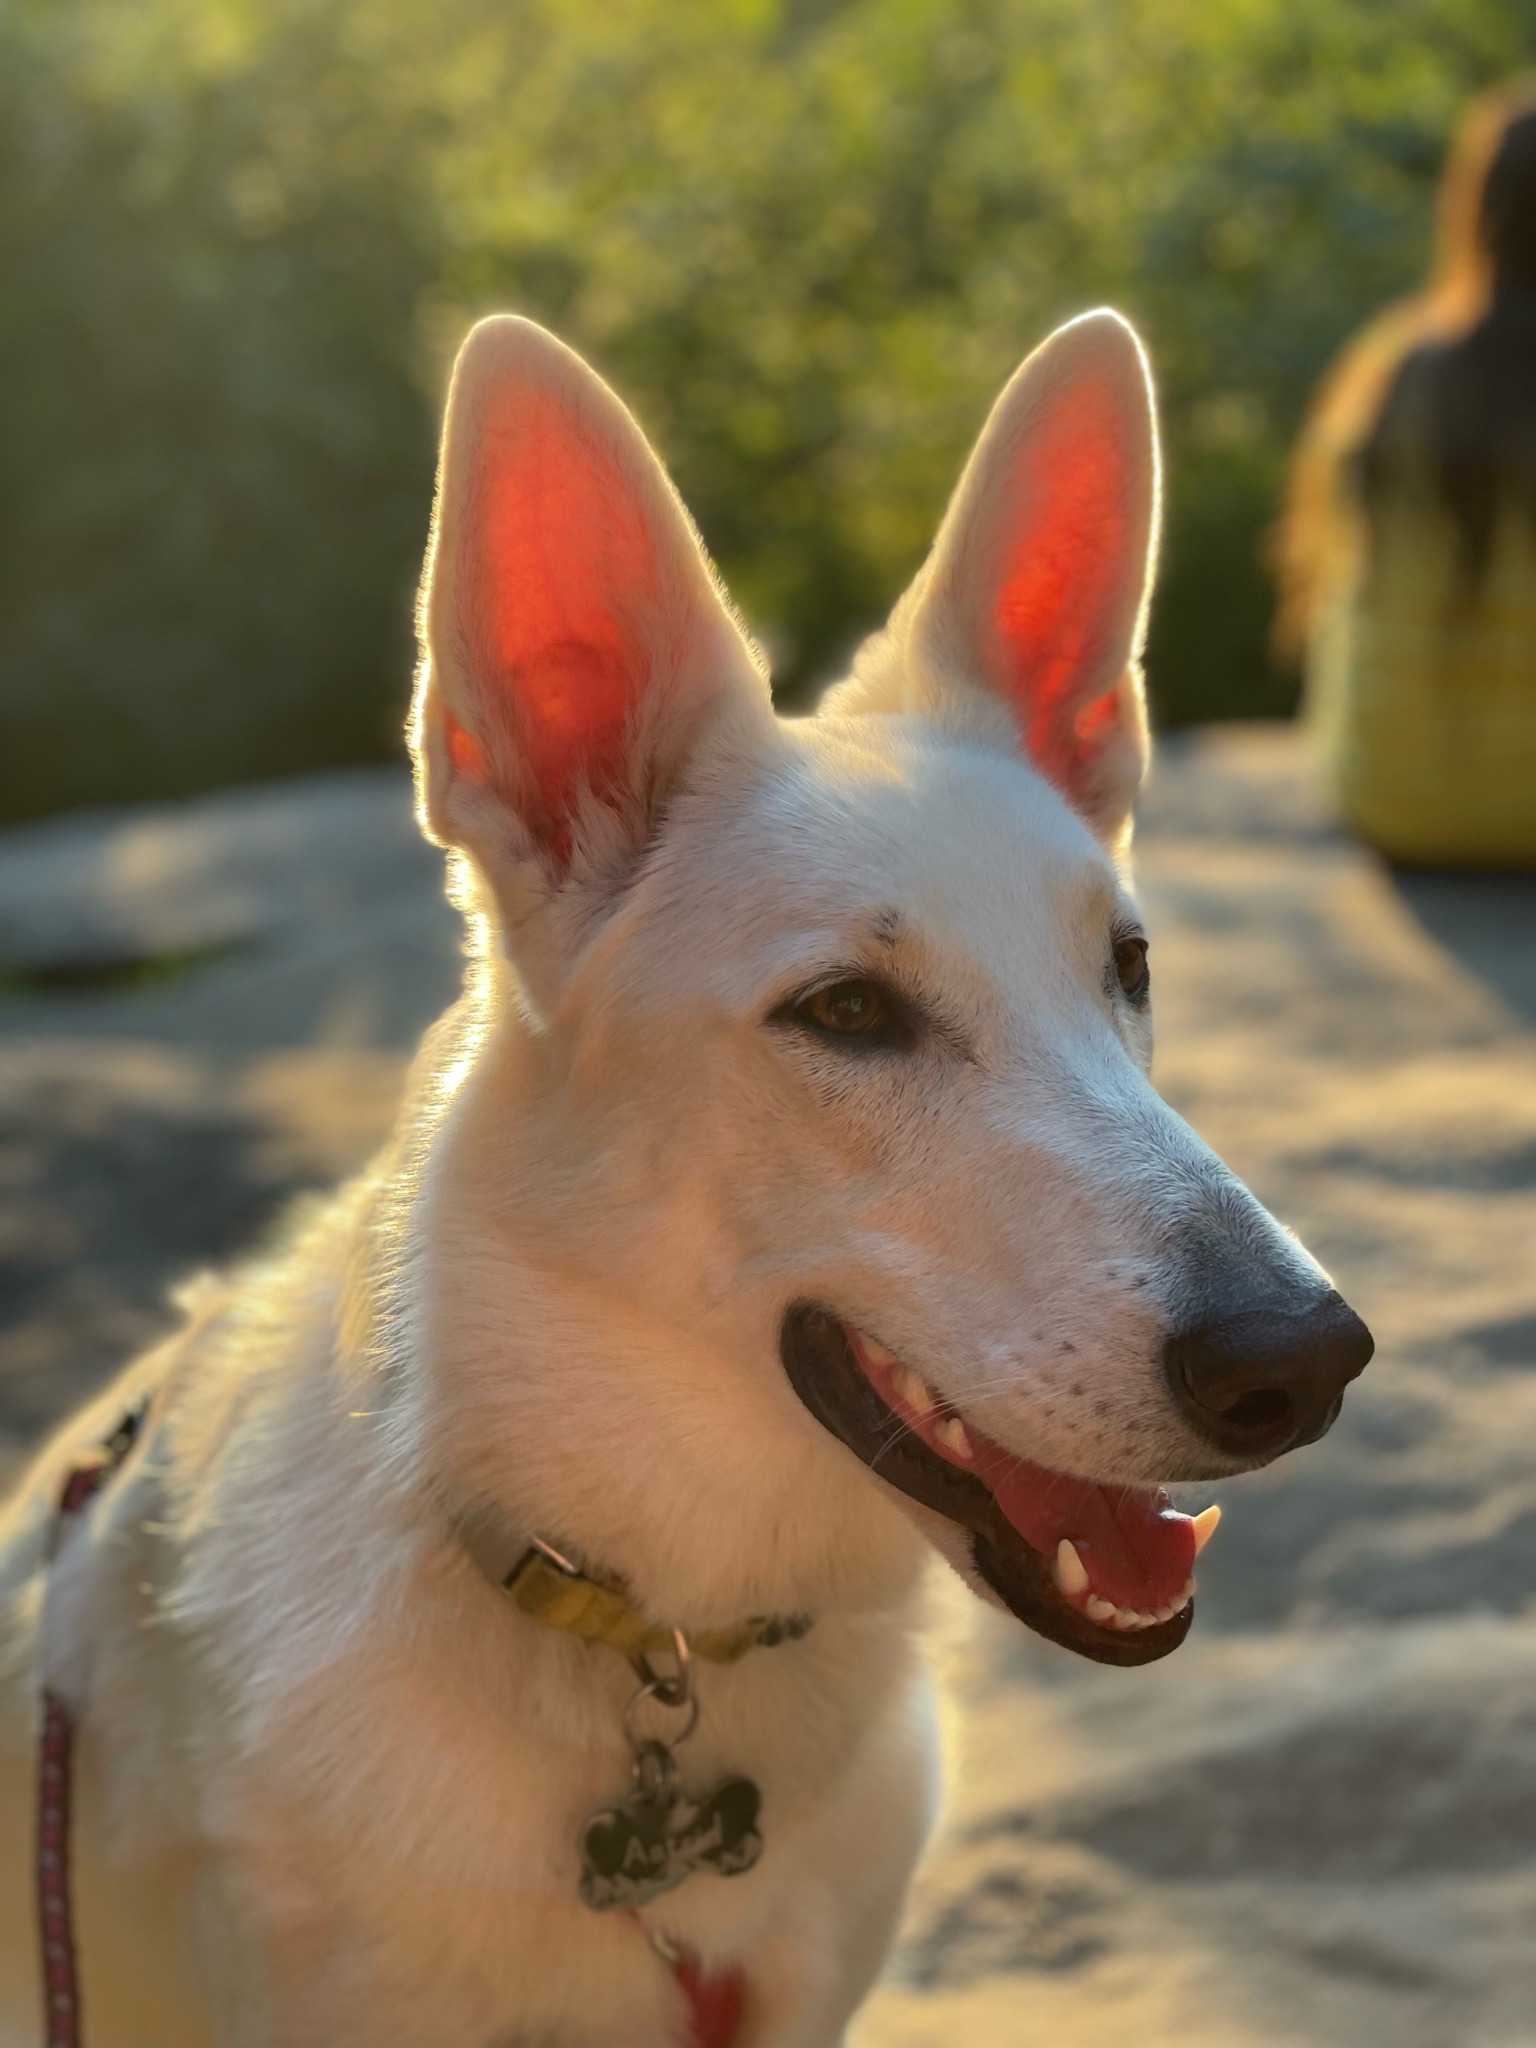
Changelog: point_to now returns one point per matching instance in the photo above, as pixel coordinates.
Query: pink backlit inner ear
(561, 587)
(1097, 719)
(1061, 586)
(468, 756)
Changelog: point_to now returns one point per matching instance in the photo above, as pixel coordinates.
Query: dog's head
(832, 1036)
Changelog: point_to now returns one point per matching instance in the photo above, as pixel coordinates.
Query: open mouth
(1103, 1570)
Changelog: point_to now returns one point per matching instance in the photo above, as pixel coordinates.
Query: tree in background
(806, 238)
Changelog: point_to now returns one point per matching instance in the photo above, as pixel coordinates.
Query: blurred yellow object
(1422, 693)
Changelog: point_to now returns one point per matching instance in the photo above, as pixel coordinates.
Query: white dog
(784, 1199)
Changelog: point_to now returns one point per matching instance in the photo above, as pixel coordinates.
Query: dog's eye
(1131, 969)
(850, 1008)
(856, 1011)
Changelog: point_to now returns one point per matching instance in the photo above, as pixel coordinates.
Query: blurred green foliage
(806, 238)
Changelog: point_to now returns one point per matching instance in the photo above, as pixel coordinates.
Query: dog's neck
(575, 1369)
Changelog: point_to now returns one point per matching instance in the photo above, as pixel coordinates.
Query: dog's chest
(489, 1895)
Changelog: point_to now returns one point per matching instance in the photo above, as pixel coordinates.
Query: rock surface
(1315, 1826)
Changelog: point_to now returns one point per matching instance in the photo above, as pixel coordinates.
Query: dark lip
(830, 1383)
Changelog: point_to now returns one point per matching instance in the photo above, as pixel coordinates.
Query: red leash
(55, 1909)
(61, 1988)
(716, 2005)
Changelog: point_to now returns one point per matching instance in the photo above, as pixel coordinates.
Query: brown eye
(857, 1014)
(851, 1009)
(1131, 969)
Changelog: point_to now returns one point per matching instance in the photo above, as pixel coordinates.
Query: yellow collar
(596, 1604)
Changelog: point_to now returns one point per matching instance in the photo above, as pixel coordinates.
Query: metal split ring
(655, 1772)
(632, 1735)
(676, 1689)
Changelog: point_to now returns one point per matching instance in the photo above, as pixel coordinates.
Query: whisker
(893, 1432)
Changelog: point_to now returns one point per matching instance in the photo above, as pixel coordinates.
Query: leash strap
(717, 2000)
(55, 1770)
(716, 2005)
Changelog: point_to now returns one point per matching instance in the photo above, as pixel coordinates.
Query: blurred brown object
(1407, 553)
(1349, 397)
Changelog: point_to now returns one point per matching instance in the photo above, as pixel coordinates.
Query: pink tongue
(1136, 1547)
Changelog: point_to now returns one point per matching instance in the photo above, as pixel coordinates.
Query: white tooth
(1070, 1575)
(1145, 1620)
(952, 1436)
(1177, 1604)
(1100, 1609)
(1127, 1617)
(876, 1352)
(1205, 1526)
(912, 1390)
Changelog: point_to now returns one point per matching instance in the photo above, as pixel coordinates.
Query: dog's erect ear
(1038, 581)
(575, 636)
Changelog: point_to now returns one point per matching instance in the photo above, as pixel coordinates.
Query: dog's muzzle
(819, 1361)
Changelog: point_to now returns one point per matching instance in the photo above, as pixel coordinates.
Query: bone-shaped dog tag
(720, 1832)
(637, 1850)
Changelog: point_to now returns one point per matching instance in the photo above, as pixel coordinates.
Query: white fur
(334, 1784)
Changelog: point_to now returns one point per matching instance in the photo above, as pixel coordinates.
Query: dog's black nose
(1264, 1381)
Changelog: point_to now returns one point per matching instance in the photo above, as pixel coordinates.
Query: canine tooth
(952, 1436)
(876, 1352)
(1070, 1575)
(1100, 1609)
(1205, 1526)
(912, 1389)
